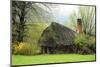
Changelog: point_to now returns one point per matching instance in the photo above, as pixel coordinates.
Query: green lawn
(57, 58)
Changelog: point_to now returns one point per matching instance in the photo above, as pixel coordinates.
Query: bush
(92, 44)
(80, 40)
(14, 46)
(85, 44)
(26, 49)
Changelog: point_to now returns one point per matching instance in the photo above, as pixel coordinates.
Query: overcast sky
(61, 12)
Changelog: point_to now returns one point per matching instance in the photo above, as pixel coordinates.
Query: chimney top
(78, 20)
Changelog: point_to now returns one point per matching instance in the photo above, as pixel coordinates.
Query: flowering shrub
(25, 49)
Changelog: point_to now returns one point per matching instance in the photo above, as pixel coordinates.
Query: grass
(57, 58)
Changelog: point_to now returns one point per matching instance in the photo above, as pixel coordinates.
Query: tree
(87, 14)
(19, 12)
(23, 12)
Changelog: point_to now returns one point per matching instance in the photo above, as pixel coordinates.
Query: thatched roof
(56, 35)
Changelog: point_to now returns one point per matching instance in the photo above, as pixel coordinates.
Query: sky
(61, 12)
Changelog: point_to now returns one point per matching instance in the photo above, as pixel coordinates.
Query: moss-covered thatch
(56, 35)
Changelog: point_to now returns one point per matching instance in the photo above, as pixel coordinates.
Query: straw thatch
(56, 37)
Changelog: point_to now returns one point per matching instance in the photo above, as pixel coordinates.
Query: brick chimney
(79, 26)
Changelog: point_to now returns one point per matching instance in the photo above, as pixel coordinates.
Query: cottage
(57, 38)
